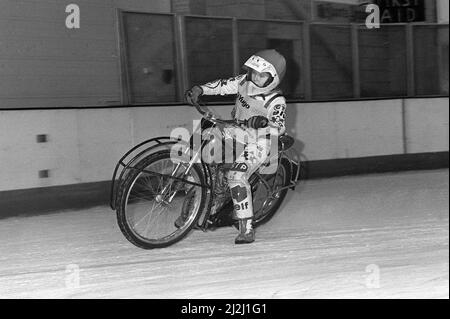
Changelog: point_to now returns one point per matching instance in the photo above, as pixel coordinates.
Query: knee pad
(240, 194)
(239, 186)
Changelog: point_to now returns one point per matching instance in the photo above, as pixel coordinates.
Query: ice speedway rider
(260, 102)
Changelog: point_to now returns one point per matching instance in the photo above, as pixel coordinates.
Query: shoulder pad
(272, 98)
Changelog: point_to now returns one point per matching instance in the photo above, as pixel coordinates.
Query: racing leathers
(256, 143)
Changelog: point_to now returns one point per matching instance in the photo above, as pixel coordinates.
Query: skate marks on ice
(324, 243)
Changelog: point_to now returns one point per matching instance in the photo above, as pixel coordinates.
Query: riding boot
(246, 232)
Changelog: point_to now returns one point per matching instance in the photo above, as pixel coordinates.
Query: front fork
(160, 198)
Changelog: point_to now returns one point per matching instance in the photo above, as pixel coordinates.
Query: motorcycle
(151, 188)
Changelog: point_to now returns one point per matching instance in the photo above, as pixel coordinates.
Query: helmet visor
(260, 79)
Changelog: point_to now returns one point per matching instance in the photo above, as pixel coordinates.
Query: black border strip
(375, 165)
(41, 200)
(36, 201)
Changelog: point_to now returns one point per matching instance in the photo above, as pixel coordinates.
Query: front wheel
(149, 204)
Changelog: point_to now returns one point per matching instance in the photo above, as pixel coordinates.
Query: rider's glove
(257, 122)
(193, 94)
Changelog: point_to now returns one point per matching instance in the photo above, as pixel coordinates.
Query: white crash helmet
(266, 61)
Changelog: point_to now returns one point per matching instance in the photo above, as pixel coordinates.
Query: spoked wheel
(266, 204)
(150, 204)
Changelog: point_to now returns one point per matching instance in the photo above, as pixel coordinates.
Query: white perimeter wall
(84, 145)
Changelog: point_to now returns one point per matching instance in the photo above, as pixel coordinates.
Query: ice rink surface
(373, 236)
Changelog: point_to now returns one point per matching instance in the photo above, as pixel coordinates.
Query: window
(382, 61)
(209, 50)
(335, 61)
(431, 59)
(331, 61)
(150, 57)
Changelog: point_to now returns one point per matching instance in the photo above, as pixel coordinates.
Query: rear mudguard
(294, 159)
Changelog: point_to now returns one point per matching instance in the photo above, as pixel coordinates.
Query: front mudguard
(142, 150)
(133, 156)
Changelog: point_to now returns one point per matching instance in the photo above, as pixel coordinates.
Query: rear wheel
(265, 204)
(149, 204)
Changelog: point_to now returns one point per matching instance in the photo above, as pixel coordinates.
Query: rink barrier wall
(37, 201)
(47, 151)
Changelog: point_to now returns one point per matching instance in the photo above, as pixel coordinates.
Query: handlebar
(210, 116)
